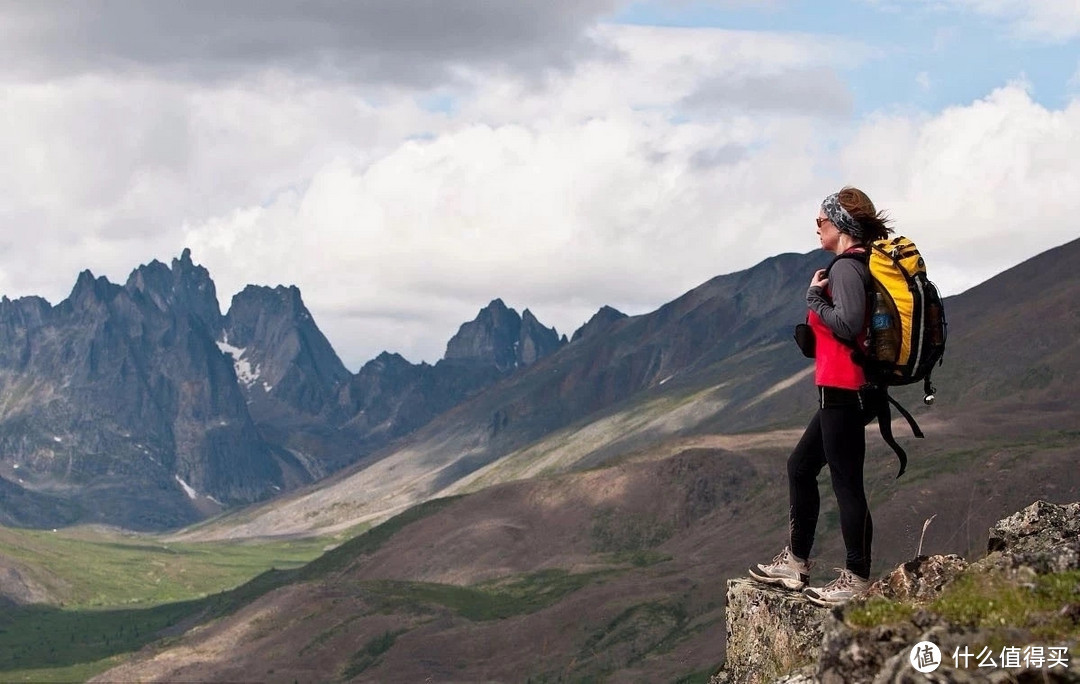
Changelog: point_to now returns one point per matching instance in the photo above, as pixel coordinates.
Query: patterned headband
(840, 217)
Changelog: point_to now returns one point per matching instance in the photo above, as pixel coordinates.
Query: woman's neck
(845, 243)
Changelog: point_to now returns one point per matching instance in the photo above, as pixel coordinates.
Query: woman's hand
(819, 279)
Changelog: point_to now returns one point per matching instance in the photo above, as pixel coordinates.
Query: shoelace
(846, 580)
(785, 557)
(781, 557)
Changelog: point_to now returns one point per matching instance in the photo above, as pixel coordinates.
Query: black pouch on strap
(804, 337)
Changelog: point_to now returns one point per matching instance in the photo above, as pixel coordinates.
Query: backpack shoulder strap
(863, 256)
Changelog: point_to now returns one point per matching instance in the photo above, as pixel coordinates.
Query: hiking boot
(785, 571)
(838, 592)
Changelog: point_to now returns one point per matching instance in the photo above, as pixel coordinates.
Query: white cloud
(583, 191)
(103, 172)
(999, 172)
(624, 181)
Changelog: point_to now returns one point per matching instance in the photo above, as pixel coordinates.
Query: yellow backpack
(907, 322)
(907, 330)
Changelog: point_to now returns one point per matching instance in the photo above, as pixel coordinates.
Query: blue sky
(926, 56)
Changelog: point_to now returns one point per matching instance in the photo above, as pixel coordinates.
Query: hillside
(1014, 346)
(1006, 372)
(719, 355)
(600, 548)
(615, 572)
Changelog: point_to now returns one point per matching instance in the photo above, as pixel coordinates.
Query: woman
(847, 223)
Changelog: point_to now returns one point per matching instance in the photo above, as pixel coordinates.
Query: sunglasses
(820, 221)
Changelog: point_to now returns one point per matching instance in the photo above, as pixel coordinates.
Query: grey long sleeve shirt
(845, 312)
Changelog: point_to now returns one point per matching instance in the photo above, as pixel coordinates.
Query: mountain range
(142, 406)
(575, 518)
(598, 550)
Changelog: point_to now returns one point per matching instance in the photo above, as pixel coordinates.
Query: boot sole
(822, 602)
(786, 583)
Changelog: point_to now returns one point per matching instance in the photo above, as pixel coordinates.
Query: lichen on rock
(769, 631)
(1024, 593)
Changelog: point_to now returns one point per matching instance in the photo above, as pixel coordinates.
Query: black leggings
(835, 437)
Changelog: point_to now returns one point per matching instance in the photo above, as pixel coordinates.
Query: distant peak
(530, 324)
(154, 265)
(282, 299)
(603, 318)
(88, 287)
(290, 294)
(386, 361)
(389, 356)
(185, 266)
(87, 281)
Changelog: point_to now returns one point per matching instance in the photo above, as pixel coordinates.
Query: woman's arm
(845, 314)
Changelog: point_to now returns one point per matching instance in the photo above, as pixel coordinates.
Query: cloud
(999, 171)
(545, 196)
(561, 218)
(400, 41)
(544, 192)
(399, 213)
(1051, 20)
(101, 171)
(808, 91)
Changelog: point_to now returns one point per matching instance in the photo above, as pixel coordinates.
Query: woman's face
(830, 236)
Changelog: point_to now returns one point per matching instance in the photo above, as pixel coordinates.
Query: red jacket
(834, 366)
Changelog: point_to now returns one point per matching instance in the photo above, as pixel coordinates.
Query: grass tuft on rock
(1045, 604)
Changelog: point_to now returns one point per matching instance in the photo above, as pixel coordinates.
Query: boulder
(779, 636)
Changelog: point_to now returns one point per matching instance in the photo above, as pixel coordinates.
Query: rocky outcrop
(17, 588)
(535, 341)
(279, 352)
(769, 631)
(117, 400)
(499, 337)
(777, 636)
(185, 286)
(920, 579)
(1043, 536)
(143, 406)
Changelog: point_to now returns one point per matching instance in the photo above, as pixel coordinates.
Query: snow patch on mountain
(245, 373)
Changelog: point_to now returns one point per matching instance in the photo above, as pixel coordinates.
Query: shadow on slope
(616, 571)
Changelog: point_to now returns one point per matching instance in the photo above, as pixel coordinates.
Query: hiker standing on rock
(837, 299)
